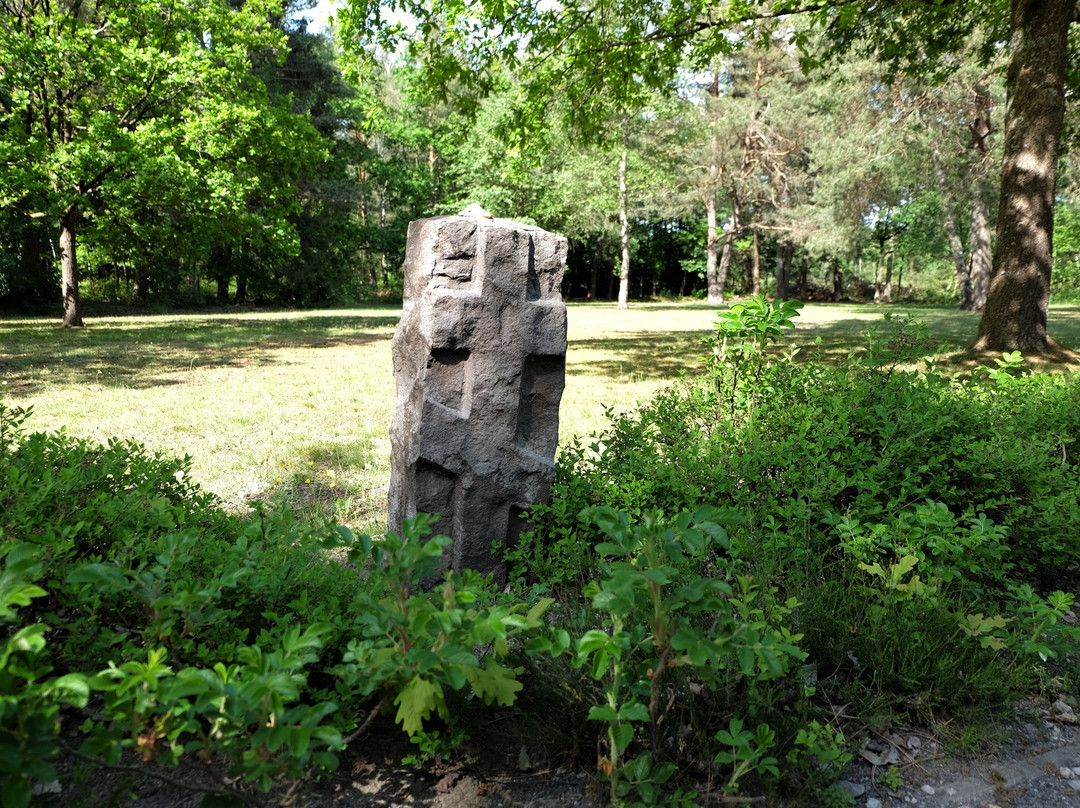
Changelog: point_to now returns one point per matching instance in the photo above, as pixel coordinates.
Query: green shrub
(922, 522)
(261, 642)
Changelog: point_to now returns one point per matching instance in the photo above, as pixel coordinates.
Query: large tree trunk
(1014, 318)
(956, 247)
(624, 223)
(712, 241)
(69, 269)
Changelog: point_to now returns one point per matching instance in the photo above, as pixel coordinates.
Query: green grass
(297, 405)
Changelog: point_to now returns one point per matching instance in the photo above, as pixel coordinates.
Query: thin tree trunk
(729, 248)
(886, 294)
(981, 256)
(594, 269)
(879, 279)
(755, 266)
(383, 269)
(781, 275)
(956, 247)
(712, 240)
(624, 237)
(982, 259)
(69, 269)
(1014, 318)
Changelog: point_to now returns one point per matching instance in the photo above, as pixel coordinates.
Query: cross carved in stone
(479, 363)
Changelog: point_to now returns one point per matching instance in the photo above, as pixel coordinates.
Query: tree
(102, 102)
(604, 55)
(1014, 318)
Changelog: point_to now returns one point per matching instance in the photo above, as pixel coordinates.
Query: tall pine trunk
(69, 269)
(712, 241)
(981, 256)
(1014, 318)
(784, 252)
(755, 266)
(956, 247)
(886, 293)
(729, 248)
(624, 237)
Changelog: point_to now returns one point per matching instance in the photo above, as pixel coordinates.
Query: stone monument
(480, 365)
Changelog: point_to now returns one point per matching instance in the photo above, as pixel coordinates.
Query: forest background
(225, 154)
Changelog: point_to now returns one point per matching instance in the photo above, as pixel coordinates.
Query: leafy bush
(921, 522)
(188, 632)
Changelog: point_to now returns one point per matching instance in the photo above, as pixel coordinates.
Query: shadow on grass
(644, 355)
(648, 355)
(150, 352)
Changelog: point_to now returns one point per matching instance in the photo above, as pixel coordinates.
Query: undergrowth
(714, 573)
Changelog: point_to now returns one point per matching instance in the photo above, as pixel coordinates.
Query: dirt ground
(498, 771)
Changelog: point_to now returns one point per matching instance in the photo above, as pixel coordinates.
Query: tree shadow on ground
(649, 355)
(151, 352)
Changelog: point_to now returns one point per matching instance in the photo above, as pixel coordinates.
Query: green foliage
(751, 327)
(920, 528)
(891, 779)
(660, 615)
(746, 751)
(30, 699)
(416, 644)
(920, 525)
(197, 634)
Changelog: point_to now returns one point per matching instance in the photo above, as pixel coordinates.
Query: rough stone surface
(480, 364)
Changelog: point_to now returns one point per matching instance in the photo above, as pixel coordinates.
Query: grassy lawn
(297, 405)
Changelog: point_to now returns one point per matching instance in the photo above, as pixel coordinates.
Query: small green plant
(434, 745)
(747, 329)
(414, 645)
(738, 342)
(746, 751)
(834, 797)
(823, 747)
(891, 779)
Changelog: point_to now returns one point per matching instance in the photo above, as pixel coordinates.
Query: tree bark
(384, 270)
(594, 269)
(981, 256)
(781, 275)
(886, 292)
(712, 240)
(624, 223)
(879, 278)
(956, 247)
(69, 269)
(755, 266)
(1014, 318)
(729, 248)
